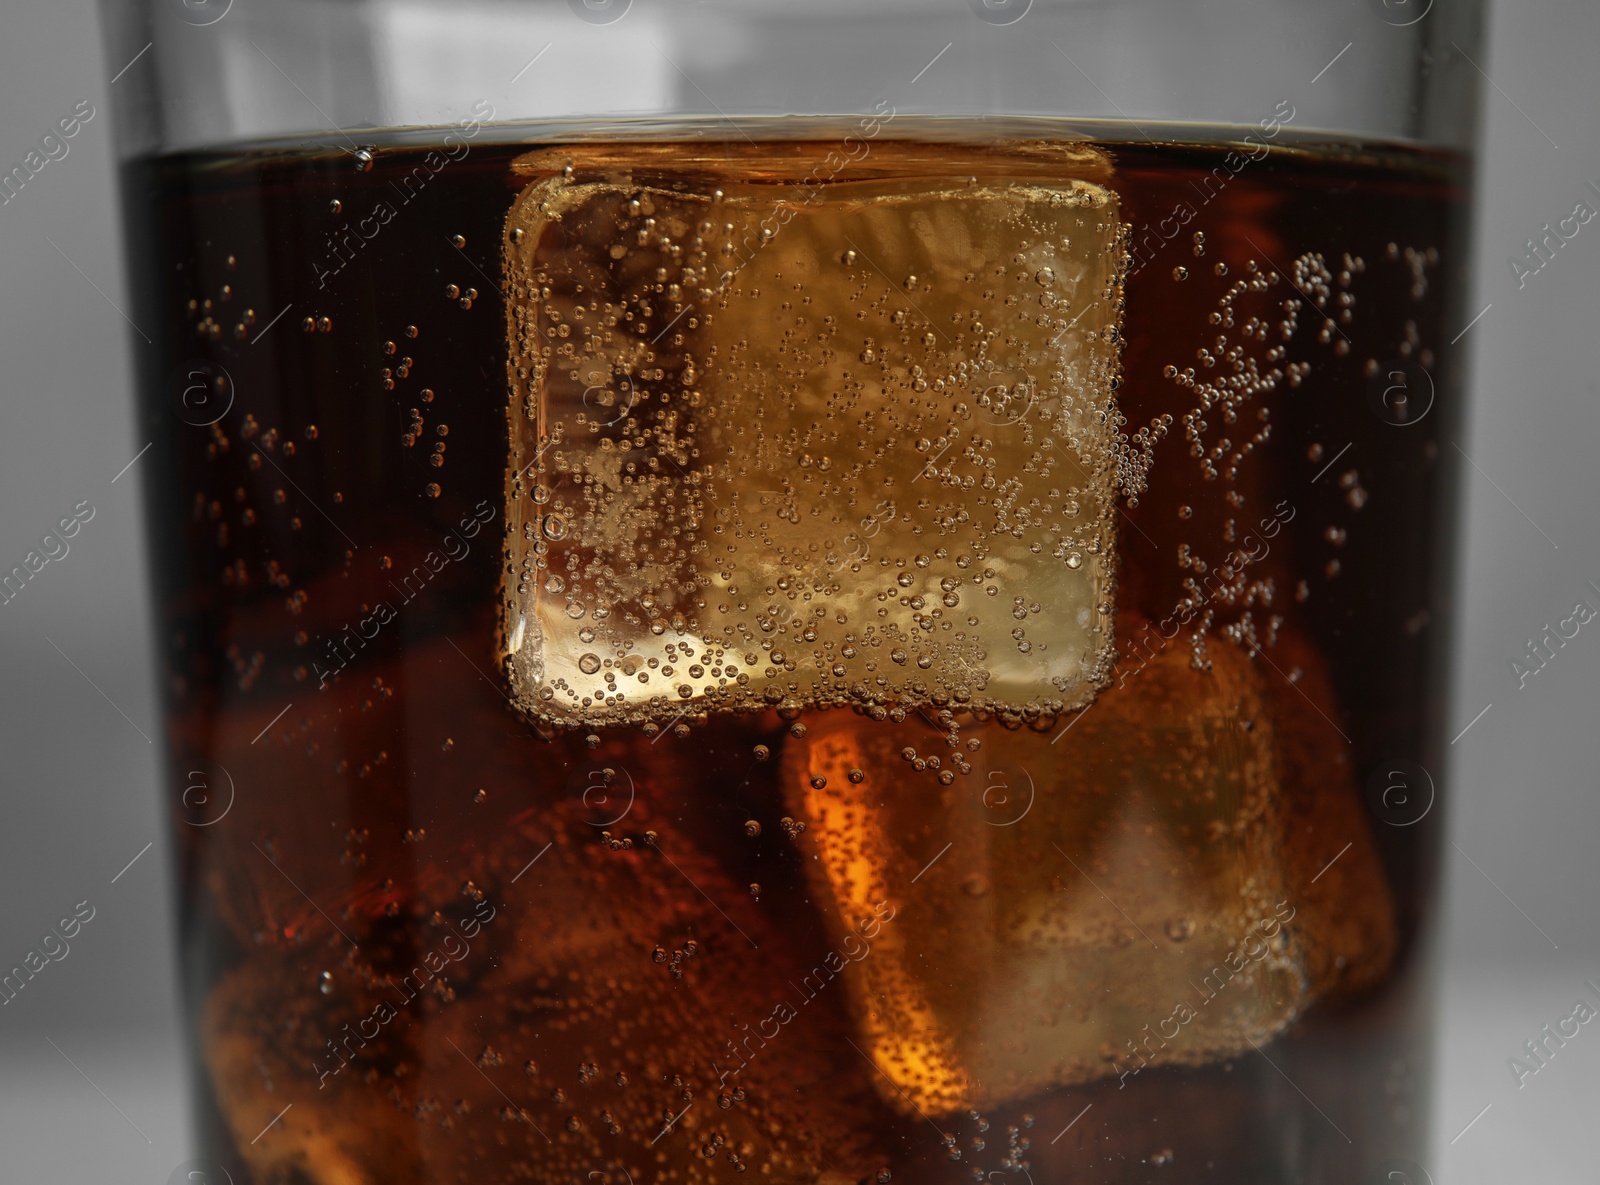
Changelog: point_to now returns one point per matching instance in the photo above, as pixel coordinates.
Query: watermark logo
(603, 398)
(55, 947)
(207, 794)
(1537, 655)
(344, 246)
(1000, 12)
(1538, 254)
(204, 392)
(1400, 792)
(50, 147)
(1400, 393)
(200, 1172)
(200, 12)
(1396, 1171)
(1552, 1038)
(600, 12)
(607, 792)
(53, 546)
(1008, 398)
(1401, 13)
(1007, 800)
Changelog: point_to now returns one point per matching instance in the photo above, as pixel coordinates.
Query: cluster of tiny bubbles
(675, 960)
(1240, 370)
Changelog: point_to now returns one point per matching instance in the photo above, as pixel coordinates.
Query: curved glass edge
(235, 71)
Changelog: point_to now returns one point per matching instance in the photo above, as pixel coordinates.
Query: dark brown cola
(693, 657)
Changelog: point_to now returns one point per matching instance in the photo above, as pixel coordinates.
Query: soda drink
(872, 658)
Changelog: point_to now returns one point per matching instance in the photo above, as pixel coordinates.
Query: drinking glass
(844, 592)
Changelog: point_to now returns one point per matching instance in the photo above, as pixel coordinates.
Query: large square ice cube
(810, 442)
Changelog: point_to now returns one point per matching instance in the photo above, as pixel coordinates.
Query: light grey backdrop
(90, 1069)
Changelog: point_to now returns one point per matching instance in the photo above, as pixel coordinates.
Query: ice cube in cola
(812, 444)
(582, 999)
(1132, 886)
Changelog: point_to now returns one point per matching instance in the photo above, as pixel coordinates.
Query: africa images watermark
(1226, 583)
(342, 247)
(55, 946)
(53, 547)
(51, 147)
(1212, 984)
(1551, 1038)
(1145, 243)
(1538, 255)
(1536, 655)
(809, 190)
(855, 950)
(340, 651)
(432, 965)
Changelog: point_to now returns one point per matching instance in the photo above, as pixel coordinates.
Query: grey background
(91, 1081)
